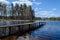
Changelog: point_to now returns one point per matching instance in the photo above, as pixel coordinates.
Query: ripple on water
(51, 30)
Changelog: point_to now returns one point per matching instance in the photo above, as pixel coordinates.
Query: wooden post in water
(29, 26)
(22, 28)
(9, 37)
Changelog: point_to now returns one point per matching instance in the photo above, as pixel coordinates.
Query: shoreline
(29, 37)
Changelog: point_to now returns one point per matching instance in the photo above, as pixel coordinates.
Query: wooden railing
(7, 30)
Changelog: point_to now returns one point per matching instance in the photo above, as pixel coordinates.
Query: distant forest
(51, 18)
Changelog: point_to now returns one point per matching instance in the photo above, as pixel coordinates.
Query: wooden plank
(18, 24)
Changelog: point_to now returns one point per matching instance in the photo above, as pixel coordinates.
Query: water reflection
(51, 30)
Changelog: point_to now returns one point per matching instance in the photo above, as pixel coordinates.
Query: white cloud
(4, 1)
(34, 0)
(37, 9)
(23, 0)
(43, 12)
(27, 2)
(54, 9)
(37, 3)
(46, 14)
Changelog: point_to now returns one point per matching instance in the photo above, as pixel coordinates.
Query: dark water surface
(50, 30)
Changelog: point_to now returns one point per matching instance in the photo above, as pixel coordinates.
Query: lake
(50, 30)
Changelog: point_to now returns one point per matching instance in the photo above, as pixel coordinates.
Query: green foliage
(23, 12)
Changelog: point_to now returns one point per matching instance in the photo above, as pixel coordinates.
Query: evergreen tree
(17, 10)
(22, 11)
(5, 14)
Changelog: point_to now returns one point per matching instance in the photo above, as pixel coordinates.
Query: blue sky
(43, 8)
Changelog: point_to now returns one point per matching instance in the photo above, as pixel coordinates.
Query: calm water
(51, 30)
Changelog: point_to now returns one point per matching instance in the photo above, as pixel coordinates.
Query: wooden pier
(12, 29)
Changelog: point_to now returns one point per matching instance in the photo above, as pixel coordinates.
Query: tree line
(21, 12)
(52, 18)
